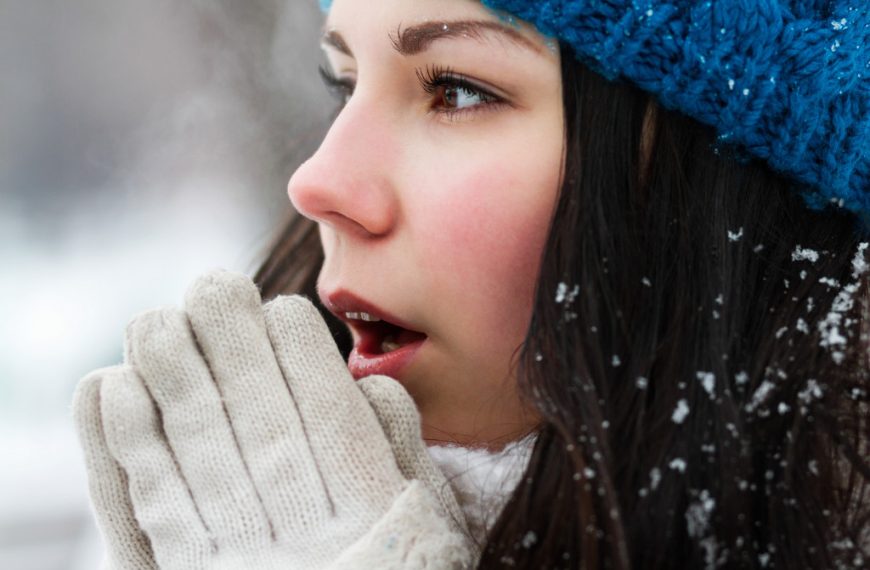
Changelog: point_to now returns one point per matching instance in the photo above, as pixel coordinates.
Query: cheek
(486, 235)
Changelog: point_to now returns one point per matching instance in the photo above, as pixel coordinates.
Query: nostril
(341, 222)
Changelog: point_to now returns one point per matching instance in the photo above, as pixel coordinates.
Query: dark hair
(698, 354)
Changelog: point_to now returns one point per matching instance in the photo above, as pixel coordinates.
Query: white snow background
(141, 144)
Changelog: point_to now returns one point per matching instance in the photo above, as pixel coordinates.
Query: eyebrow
(417, 39)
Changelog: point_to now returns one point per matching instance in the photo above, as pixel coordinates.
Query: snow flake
(730, 84)
(680, 412)
(564, 295)
(678, 464)
(698, 515)
(781, 332)
(813, 390)
(839, 26)
(735, 236)
(760, 395)
(529, 539)
(615, 361)
(802, 326)
(732, 429)
(646, 281)
(783, 408)
(655, 477)
(859, 264)
(801, 254)
(708, 381)
(833, 337)
(741, 378)
(642, 383)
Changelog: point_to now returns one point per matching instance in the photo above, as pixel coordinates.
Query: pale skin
(434, 204)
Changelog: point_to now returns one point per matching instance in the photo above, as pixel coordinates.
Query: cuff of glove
(413, 534)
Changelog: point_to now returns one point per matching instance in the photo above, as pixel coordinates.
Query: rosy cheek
(487, 231)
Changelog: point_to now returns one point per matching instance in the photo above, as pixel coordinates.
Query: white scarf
(483, 480)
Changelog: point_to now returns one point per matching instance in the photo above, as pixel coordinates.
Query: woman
(640, 244)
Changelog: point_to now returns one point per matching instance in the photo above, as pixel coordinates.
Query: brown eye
(446, 96)
(453, 94)
(458, 97)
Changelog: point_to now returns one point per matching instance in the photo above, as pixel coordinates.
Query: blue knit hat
(787, 80)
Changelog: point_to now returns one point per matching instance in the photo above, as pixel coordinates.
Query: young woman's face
(433, 191)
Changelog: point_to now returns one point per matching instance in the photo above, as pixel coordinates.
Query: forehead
(363, 22)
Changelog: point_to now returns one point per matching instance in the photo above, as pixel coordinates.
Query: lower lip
(390, 364)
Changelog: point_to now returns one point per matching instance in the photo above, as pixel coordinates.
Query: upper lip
(342, 301)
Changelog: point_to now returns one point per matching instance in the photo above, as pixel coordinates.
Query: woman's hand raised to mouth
(233, 436)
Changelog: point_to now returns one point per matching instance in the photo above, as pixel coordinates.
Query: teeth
(389, 345)
(362, 317)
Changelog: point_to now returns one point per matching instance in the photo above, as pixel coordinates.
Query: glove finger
(226, 314)
(164, 351)
(400, 421)
(159, 495)
(127, 545)
(345, 436)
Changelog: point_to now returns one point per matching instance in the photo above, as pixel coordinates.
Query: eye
(453, 94)
(341, 89)
(457, 97)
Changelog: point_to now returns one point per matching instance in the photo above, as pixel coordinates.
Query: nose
(348, 183)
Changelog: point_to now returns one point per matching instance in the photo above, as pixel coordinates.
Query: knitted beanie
(786, 80)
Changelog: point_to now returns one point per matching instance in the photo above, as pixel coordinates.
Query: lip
(363, 360)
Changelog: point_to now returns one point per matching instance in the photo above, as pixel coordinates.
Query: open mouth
(384, 344)
(382, 337)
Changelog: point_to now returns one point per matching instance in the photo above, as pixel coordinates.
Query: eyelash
(341, 89)
(432, 79)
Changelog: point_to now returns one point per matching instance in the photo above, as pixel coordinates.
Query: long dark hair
(697, 353)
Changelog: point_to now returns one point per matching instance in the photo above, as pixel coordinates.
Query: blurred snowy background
(141, 143)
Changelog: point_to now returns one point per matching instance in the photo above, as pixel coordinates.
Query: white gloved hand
(234, 437)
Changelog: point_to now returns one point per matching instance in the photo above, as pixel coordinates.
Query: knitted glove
(234, 437)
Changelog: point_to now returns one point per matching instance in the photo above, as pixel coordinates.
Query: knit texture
(786, 80)
(234, 437)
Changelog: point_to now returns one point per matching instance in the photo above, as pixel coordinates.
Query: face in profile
(433, 191)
